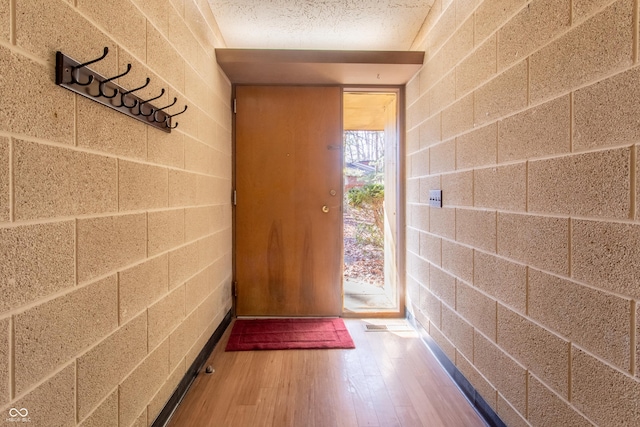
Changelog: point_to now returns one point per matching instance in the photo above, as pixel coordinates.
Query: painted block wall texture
(528, 276)
(115, 238)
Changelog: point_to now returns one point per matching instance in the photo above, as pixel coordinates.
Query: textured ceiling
(320, 24)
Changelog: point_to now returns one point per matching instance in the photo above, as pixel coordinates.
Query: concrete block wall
(115, 237)
(526, 115)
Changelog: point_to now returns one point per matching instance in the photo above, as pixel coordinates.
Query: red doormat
(288, 334)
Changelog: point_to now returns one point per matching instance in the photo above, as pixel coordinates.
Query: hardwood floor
(390, 379)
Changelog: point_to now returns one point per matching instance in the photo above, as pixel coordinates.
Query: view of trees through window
(364, 146)
(364, 207)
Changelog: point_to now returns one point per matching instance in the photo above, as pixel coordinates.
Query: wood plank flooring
(390, 379)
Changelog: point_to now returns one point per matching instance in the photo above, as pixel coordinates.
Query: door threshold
(373, 315)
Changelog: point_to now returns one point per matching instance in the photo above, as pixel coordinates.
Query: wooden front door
(289, 201)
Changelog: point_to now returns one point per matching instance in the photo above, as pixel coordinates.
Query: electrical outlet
(435, 198)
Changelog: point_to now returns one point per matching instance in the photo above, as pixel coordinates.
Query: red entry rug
(288, 334)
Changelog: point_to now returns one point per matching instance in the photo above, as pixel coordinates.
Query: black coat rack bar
(78, 78)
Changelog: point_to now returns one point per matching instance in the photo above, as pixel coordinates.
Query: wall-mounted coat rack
(78, 78)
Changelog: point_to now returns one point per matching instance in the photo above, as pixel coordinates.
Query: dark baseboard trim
(169, 408)
(481, 406)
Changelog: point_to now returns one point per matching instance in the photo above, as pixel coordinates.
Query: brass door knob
(325, 209)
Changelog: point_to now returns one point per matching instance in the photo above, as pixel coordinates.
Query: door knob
(325, 209)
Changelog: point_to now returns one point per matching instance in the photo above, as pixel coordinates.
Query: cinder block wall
(115, 237)
(527, 115)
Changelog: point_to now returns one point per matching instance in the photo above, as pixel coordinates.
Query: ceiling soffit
(278, 66)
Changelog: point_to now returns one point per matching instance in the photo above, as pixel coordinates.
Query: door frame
(400, 191)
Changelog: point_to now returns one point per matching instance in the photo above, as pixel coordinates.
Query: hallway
(518, 222)
(390, 379)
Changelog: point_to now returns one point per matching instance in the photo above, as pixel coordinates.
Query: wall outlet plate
(435, 198)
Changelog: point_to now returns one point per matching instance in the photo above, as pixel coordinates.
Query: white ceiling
(320, 24)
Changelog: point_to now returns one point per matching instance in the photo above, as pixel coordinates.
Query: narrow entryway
(370, 154)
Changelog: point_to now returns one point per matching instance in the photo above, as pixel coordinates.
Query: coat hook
(168, 118)
(177, 114)
(74, 80)
(155, 117)
(148, 100)
(109, 91)
(135, 101)
(115, 92)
